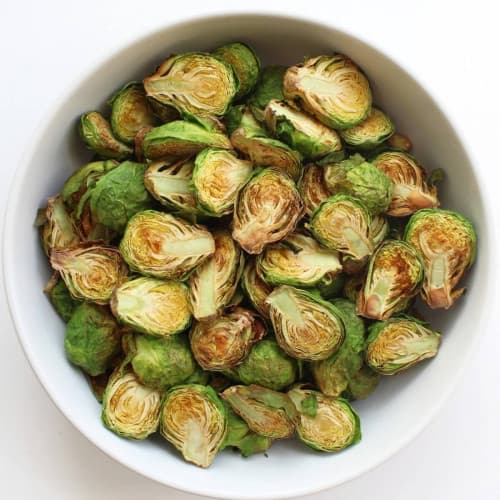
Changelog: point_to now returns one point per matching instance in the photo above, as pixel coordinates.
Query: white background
(454, 50)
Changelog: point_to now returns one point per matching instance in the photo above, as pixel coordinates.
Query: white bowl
(400, 407)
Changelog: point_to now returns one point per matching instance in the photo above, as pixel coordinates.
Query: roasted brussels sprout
(312, 188)
(195, 83)
(399, 142)
(268, 208)
(306, 326)
(91, 271)
(362, 180)
(56, 226)
(119, 194)
(61, 299)
(342, 223)
(269, 86)
(332, 88)
(362, 383)
(130, 409)
(410, 191)
(333, 375)
(130, 112)
(170, 184)
(245, 64)
(179, 139)
(213, 283)
(301, 131)
(194, 420)
(447, 243)
(266, 412)
(252, 140)
(152, 306)
(226, 340)
(268, 365)
(217, 179)
(163, 246)
(92, 339)
(255, 288)
(371, 132)
(394, 277)
(240, 436)
(160, 363)
(96, 133)
(331, 426)
(297, 260)
(399, 343)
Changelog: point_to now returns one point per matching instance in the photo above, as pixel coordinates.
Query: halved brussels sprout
(332, 88)
(160, 363)
(394, 277)
(194, 83)
(446, 241)
(119, 194)
(244, 62)
(268, 365)
(331, 427)
(96, 132)
(371, 132)
(400, 142)
(306, 326)
(218, 177)
(410, 191)
(152, 306)
(255, 288)
(130, 112)
(194, 420)
(252, 140)
(266, 412)
(301, 131)
(297, 260)
(161, 245)
(269, 86)
(240, 436)
(399, 343)
(379, 229)
(268, 208)
(333, 375)
(213, 283)
(179, 139)
(92, 339)
(225, 341)
(312, 188)
(360, 179)
(170, 184)
(56, 226)
(91, 271)
(130, 409)
(362, 383)
(61, 299)
(342, 223)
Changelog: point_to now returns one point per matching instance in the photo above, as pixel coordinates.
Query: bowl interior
(400, 407)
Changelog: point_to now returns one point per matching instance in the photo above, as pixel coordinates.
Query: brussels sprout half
(194, 420)
(269, 87)
(301, 131)
(398, 344)
(306, 326)
(164, 246)
(268, 208)
(218, 177)
(312, 188)
(225, 341)
(255, 288)
(297, 260)
(332, 88)
(194, 83)
(371, 132)
(61, 298)
(152, 306)
(331, 427)
(213, 283)
(362, 383)
(446, 242)
(90, 271)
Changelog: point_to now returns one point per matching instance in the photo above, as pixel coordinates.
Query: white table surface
(452, 47)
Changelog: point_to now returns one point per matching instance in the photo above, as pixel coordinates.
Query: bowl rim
(488, 241)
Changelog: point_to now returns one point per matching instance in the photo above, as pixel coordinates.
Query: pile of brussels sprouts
(242, 256)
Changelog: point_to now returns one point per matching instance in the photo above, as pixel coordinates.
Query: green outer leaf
(269, 86)
(64, 304)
